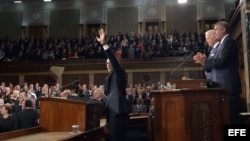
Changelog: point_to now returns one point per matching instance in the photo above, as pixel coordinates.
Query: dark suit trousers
(235, 109)
(117, 127)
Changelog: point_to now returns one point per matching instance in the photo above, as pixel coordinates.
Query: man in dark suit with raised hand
(224, 66)
(118, 109)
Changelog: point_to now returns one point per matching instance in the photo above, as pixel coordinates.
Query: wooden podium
(191, 84)
(57, 114)
(190, 114)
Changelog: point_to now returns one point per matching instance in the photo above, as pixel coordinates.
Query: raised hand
(101, 38)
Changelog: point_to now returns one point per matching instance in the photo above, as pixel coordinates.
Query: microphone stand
(73, 82)
(171, 74)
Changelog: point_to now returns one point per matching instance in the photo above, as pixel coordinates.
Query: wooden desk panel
(18, 133)
(45, 136)
(191, 115)
(58, 115)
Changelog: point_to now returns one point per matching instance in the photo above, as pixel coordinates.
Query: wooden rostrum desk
(57, 115)
(196, 114)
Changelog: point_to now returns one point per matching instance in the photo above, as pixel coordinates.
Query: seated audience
(152, 107)
(139, 107)
(99, 95)
(65, 93)
(65, 48)
(1, 102)
(7, 121)
(11, 101)
(83, 91)
(19, 104)
(31, 94)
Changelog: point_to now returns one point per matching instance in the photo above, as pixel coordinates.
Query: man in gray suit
(118, 107)
(213, 43)
(224, 66)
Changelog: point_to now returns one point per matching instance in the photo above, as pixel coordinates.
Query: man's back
(27, 118)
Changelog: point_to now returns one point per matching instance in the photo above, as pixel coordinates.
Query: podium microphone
(184, 61)
(75, 82)
(71, 83)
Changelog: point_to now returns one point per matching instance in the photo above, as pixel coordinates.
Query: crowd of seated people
(124, 45)
(17, 109)
(20, 102)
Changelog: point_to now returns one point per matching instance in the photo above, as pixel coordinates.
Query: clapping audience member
(65, 93)
(147, 96)
(11, 101)
(19, 102)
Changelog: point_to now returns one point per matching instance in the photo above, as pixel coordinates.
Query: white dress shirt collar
(224, 38)
(216, 44)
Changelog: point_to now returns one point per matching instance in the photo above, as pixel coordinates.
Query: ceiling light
(17, 1)
(47, 0)
(182, 1)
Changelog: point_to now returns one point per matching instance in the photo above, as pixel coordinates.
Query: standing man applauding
(118, 108)
(225, 68)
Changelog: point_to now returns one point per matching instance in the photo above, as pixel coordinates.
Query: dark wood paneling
(69, 78)
(40, 79)
(7, 79)
(146, 77)
(100, 78)
(36, 31)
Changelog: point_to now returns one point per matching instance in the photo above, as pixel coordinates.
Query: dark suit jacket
(27, 118)
(115, 87)
(224, 66)
(82, 93)
(7, 124)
